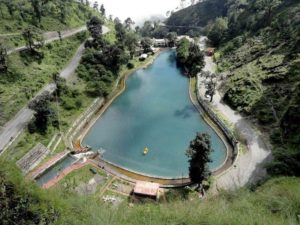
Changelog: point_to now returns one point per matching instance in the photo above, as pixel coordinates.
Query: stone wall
(229, 135)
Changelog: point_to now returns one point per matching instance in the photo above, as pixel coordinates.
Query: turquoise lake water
(154, 111)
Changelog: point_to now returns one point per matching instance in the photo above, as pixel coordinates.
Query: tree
(10, 7)
(33, 38)
(42, 112)
(218, 30)
(131, 42)
(3, 58)
(95, 27)
(62, 10)
(211, 84)
(120, 30)
(147, 29)
(128, 23)
(199, 156)
(59, 35)
(96, 5)
(22, 10)
(182, 51)
(137, 29)
(268, 6)
(60, 84)
(172, 37)
(146, 44)
(190, 57)
(195, 60)
(102, 10)
(37, 8)
(100, 82)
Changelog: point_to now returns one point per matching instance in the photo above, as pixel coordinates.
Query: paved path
(14, 127)
(9, 34)
(52, 36)
(249, 165)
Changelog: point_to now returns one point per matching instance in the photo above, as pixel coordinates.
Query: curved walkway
(248, 167)
(14, 127)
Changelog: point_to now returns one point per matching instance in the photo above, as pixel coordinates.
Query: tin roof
(146, 188)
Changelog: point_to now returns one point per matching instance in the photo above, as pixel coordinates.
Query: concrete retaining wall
(83, 121)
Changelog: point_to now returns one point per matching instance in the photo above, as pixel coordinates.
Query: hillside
(275, 203)
(198, 15)
(47, 15)
(258, 53)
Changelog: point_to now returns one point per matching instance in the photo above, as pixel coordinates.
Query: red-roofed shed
(146, 189)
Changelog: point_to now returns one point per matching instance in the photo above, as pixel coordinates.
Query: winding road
(249, 166)
(52, 36)
(14, 127)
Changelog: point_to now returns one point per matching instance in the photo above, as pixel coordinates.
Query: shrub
(130, 65)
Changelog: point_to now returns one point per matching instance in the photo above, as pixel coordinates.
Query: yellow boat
(146, 150)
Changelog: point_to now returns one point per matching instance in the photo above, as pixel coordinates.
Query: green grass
(76, 17)
(28, 75)
(110, 37)
(27, 141)
(82, 175)
(276, 202)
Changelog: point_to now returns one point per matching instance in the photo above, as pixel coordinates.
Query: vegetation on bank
(190, 57)
(103, 60)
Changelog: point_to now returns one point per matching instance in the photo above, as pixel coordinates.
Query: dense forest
(258, 54)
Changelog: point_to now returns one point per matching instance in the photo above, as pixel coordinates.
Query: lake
(155, 111)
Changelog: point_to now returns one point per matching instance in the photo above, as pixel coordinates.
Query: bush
(31, 127)
(130, 65)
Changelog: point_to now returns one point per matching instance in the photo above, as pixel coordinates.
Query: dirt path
(248, 167)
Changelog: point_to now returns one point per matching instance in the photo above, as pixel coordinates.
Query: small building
(146, 189)
(138, 52)
(179, 38)
(160, 42)
(143, 57)
(154, 50)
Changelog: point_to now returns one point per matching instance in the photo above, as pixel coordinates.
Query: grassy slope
(276, 202)
(198, 15)
(77, 16)
(264, 69)
(28, 75)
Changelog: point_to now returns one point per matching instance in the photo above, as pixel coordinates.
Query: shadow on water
(172, 59)
(186, 112)
(173, 63)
